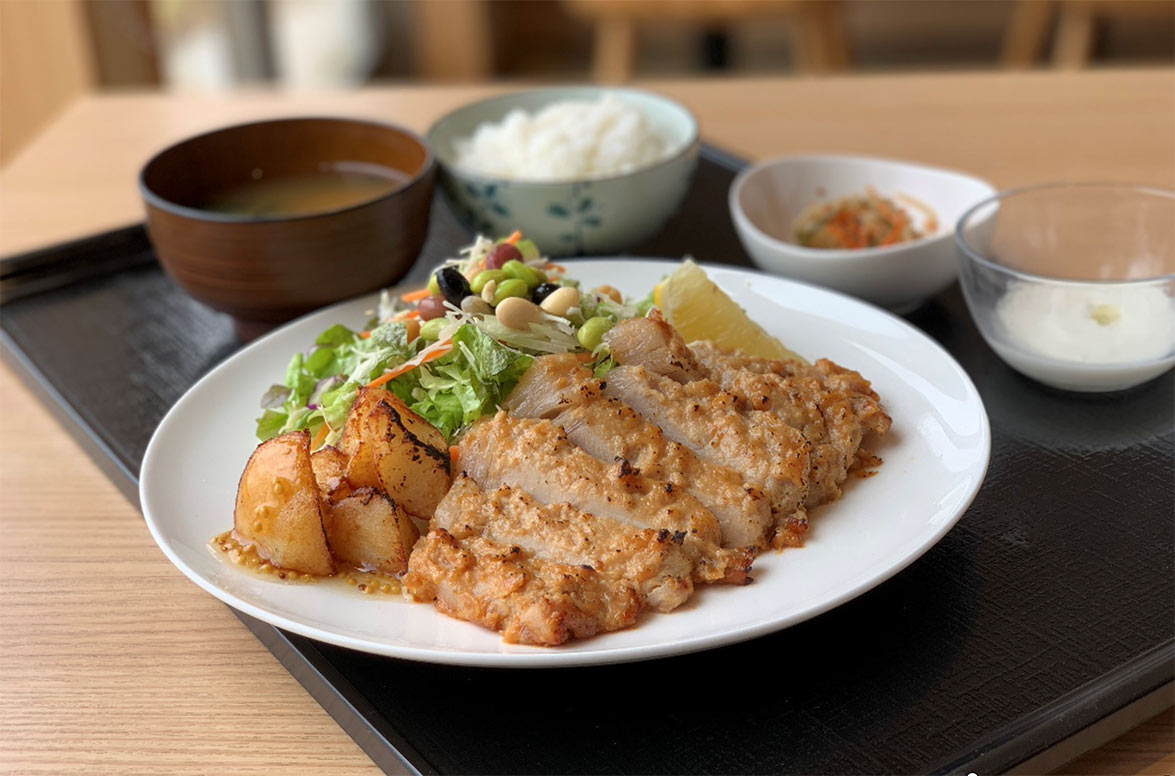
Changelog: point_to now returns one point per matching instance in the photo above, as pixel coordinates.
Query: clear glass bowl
(1074, 284)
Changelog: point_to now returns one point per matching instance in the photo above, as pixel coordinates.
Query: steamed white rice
(564, 141)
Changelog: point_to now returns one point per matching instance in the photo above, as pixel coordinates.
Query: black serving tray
(1040, 626)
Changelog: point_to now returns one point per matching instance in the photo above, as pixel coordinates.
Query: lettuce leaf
(338, 353)
(468, 383)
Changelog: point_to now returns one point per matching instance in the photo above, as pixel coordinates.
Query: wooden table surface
(112, 662)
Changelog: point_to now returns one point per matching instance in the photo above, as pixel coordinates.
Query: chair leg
(830, 29)
(614, 51)
(1074, 35)
(805, 53)
(1026, 33)
(453, 40)
(818, 37)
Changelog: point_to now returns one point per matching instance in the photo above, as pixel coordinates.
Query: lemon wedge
(700, 310)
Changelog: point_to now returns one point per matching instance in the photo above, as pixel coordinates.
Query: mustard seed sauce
(230, 549)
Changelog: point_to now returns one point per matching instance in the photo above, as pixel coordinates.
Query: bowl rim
(843, 255)
(975, 256)
(153, 199)
(690, 145)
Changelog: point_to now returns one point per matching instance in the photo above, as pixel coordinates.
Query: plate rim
(548, 657)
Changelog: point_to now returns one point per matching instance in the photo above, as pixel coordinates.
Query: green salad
(451, 351)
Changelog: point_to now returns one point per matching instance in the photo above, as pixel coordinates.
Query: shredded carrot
(408, 366)
(405, 314)
(557, 267)
(514, 238)
(455, 454)
(364, 335)
(415, 296)
(319, 436)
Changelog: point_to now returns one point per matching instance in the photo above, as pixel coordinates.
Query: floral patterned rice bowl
(592, 216)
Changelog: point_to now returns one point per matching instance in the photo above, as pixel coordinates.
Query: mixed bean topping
(510, 281)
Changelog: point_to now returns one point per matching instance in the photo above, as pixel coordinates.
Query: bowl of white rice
(580, 170)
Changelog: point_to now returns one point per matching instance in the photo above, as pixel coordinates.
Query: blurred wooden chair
(817, 28)
(1073, 42)
(45, 64)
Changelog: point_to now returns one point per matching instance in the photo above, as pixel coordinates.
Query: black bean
(453, 285)
(543, 291)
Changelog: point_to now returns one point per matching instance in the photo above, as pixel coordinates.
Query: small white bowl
(766, 199)
(588, 216)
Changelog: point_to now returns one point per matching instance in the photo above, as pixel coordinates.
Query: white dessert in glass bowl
(1073, 285)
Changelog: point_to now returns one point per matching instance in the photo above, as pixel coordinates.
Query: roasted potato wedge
(368, 530)
(361, 471)
(396, 451)
(278, 507)
(353, 428)
(330, 471)
(412, 458)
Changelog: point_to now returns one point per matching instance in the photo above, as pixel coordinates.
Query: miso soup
(332, 186)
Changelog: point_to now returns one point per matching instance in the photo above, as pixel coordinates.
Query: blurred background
(53, 50)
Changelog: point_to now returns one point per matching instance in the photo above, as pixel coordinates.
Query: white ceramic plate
(934, 464)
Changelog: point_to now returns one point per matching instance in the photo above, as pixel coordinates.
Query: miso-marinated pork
(832, 407)
(560, 388)
(537, 457)
(529, 599)
(707, 420)
(651, 558)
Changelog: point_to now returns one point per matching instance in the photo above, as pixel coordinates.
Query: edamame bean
(480, 279)
(431, 330)
(508, 288)
(591, 334)
(532, 277)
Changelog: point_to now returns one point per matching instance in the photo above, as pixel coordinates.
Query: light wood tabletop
(112, 662)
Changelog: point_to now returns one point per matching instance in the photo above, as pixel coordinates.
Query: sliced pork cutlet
(610, 429)
(652, 343)
(550, 385)
(706, 419)
(528, 599)
(560, 388)
(536, 456)
(827, 416)
(652, 559)
(834, 406)
(836, 382)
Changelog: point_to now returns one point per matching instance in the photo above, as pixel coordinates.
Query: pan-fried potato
(357, 418)
(368, 530)
(330, 470)
(413, 461)
(278, 508)
(398, 452)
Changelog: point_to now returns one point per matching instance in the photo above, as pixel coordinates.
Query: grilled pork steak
(560, 388)
(537, 457)
(529, 599)
(652, 559)
(706, 419)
